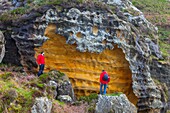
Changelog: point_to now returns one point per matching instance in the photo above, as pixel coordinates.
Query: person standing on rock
(104, 80)
(41, 63)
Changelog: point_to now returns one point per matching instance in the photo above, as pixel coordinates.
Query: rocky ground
(22, 92)
(19, 91)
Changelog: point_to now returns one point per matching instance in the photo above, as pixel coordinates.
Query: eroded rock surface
(2, 46)
(161, 72)
(114, 104)
(42, 105)
(84, 68)
(65, 88)
(93, 28)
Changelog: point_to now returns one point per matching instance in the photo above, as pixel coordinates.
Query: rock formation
(2, 46)
(42, 105)
(84, 68)
(114, 104)
(92, 29)
(161, 72)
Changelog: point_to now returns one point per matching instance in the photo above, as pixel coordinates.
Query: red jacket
(41, 59)
(101, 76)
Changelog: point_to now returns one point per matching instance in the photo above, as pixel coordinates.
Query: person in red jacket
(41, 63)
(104, 80)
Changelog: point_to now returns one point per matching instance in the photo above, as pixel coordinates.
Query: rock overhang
(84, 68)
(131, 34)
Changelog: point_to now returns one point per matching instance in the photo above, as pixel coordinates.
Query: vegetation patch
(159, 9)
(164, 35)
(15, 98)
(89, 98)
(44, 77)
(153, 6)
(115, 94)
(91, 109)
(59, 102)
(6, 75)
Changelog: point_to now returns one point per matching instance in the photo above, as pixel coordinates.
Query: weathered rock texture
(2, 46)
(161, 72)
(93, 29)
(84, 68)
(42, 105)
(60, 85)
(114, 104)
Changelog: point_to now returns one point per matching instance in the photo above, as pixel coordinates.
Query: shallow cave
(84, 68)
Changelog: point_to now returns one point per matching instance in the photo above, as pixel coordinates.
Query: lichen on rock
(94, 30)
(42, 105)
(114, 104)
(2, 46)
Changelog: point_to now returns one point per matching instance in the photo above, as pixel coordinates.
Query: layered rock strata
(84, 68)
(93, 28)
(161, 72)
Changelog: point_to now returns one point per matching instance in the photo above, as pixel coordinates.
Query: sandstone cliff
(81, 39)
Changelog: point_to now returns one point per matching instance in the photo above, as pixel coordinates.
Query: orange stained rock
(83, 69)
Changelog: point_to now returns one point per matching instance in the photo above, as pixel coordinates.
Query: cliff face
(84, 68)
(81, 40)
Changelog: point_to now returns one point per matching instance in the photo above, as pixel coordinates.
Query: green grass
(23, 94)
(40, 85)
(165, 49)
(155, 6)
(89, 98)
(16, 13)
(164, 34)
(115, 94)
(59, 102)
(5, 85)
(161, 9)
(34, 4)
(6, 75)
(46, 2)
(19, 10)
(31, 4)
(27, 94)
(43, 77)
(24, 100)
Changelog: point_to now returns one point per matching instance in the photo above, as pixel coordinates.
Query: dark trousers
(101, 88)
(41, 69)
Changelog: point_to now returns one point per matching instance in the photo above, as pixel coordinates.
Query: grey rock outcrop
(114, 104)
(161, 72)
(65, 88)
(64, 98)
(2, 46)
(54, 85)
(131, 32)
(42, 105)
(61, 86)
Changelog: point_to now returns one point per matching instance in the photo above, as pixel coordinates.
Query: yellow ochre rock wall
(83, 69)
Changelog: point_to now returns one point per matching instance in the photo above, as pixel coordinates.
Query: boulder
(42, 105)
(65, 88)
(114, 104)
(53, 84)
(65, 98)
